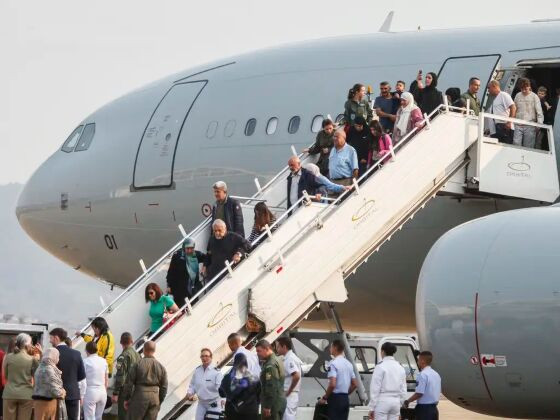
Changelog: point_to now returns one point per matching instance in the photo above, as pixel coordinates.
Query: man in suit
(227, 209)
(73, 371)
(299, 180)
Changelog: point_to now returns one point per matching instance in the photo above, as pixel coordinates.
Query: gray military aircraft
(129, 173)
(488, 305)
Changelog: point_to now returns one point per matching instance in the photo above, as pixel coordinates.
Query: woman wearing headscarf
(263, 217)
(104, 340)
(48, 387)
(409, 116)
(19, 368)
(427, 96)
(183, 275)
(241, 390)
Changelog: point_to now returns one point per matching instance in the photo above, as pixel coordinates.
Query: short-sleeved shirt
(499, 106)
(343, 371)
(157, 309)
(428, 384)
(292, 364)
(389, 106)
(342, 162)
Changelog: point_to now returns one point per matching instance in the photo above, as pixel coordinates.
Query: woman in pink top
(382, 144)
(409, 117)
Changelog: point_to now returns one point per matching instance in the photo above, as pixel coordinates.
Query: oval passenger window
(211, 130)
(339, 118)
(229, 129)
(317, 123)
(271, 126)
(293, 125)
(250, 127)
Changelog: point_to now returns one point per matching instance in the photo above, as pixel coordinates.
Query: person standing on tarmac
(128, 358)
(292, 376)
(273, 401)
(234, 343)
(387, 390)
(146, 386)
(428, 389)
(342, 382)
(205, 383)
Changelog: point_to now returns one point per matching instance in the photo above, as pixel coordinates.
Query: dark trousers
(338, 407)
(426, 412)
(73, 409)
(503, 134)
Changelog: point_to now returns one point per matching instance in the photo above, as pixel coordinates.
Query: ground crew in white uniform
(205, 383)
(234, 343)
(292, 376)
(387, 390)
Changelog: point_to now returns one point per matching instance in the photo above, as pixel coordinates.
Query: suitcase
(321, 412)
(214, 415)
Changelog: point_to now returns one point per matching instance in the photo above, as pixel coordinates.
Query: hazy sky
(62, 59)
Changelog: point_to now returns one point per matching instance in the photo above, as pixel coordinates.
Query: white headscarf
(314, 169)
(404, 116)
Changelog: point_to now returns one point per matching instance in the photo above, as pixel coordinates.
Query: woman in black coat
(426, 95)
(183, 275)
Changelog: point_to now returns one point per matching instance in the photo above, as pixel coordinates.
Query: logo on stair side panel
(223, 313)
(364, 210)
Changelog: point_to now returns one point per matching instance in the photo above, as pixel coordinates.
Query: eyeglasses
(202, 356)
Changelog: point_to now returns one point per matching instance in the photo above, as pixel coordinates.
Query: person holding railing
(528, 109)
(223, 246)
(263, 217)
(104, 339)
(323, 145)
(382, 143)
(409, 116)
(500, 104)
(160, 306)
(227, 209)
(298, 180)
(183, 275)
(324, 184)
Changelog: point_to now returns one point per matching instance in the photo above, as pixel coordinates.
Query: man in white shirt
(502, 105)
(234, 343)
(292, 376)
(387, 390)
(205, 384)
(529, 109)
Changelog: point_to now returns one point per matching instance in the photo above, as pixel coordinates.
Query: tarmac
(451, 411)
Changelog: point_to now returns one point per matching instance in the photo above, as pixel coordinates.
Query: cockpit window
(293, 125)
(72, 140)
(86, 138)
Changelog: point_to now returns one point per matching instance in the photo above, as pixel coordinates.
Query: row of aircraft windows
(271, 126)
(80, 139)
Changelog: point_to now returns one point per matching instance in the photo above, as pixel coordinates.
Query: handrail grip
(515, 120)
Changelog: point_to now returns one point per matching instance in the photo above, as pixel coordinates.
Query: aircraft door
(155, 158)
(456, 72)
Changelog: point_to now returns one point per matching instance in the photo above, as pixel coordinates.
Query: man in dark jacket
(223, 246)
(299, 180)
(73, 371)
(360, 138)
(227, 209)
(183, 279)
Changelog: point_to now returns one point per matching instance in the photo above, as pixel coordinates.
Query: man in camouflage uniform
(145, 387)
(125, 361)
(273, 401)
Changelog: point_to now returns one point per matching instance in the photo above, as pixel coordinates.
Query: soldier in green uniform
(145, 387)
(273, 401)
(357, 105)
(125, 361)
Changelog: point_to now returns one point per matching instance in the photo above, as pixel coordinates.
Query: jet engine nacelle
(488, 307)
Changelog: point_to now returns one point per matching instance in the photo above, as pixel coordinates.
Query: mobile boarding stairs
(319, 244)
